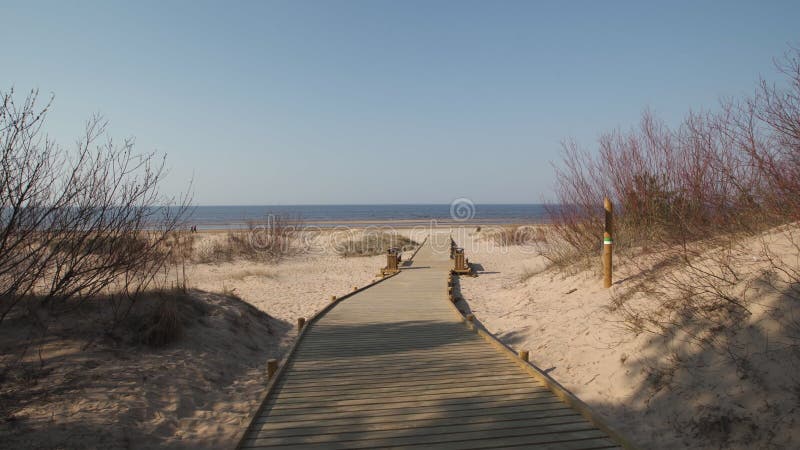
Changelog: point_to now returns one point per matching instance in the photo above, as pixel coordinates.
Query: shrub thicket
(732, 171)
(76, 222)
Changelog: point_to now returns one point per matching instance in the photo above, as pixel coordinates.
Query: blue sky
(336, 102)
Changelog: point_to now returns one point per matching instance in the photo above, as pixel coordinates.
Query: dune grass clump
(515, 235)
(263, 241)
(165, 325)
(371, 244)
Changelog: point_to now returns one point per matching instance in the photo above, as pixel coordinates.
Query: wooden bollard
(459, 263)
(355, 288)
(470, 318)
(301, 322)
(272, 367)
(523, 355)
(391, 260)
(608, 242)
(333, 298)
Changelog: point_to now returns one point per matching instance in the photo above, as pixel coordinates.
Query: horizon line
(367, 204)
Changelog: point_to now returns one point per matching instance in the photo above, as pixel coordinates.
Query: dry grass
(165, 325)
(269, 240)
(515, 235)
(371, 244)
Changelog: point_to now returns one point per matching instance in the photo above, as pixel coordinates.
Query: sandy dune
(662, 393)
(74, 386)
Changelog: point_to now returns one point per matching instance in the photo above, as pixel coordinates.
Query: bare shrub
(690, 202)
(735, 171)
(74, 223)
(372, 243)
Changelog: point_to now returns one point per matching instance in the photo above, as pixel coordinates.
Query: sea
(460, 211)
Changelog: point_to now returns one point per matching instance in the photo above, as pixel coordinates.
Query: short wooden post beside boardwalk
(272, 367)
(395, 366)
(460, 262)
(392, 260)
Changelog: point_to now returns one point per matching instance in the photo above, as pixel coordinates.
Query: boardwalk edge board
(273, 383)
(560, 391)
(421, 244)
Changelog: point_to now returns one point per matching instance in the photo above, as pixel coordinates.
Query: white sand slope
(662, 393)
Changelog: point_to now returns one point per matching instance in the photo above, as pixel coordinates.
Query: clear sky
(324, 102)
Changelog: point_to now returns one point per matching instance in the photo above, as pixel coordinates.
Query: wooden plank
(499, 437)
(420, 400)
(443, 406)
(389, 379)
(346, 386)
(532, 419)
(423, 394)
(414, 389)
(414, 420)
(528, 426)
(429, 372)
(376, 353)
(523, 443)
(364, 416)
(402, 365)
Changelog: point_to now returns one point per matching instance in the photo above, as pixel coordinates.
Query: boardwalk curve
(392, 366)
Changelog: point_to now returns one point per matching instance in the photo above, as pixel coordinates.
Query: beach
(199, 391)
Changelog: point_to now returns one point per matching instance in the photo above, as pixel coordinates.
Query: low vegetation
(373, 243)
(270, 240)
(514, 234)
(81, 222)
(707, 229)
(716, 174)
(67, 381)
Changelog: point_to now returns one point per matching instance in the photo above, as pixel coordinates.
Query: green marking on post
(607, 241)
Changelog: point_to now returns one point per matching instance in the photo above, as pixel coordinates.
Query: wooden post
(333, 298)
(459, 262)
(523, 355)
(272, 367)
(391, 261)
(608, 242)
(301, 322)
(355, 288)
(470, 318)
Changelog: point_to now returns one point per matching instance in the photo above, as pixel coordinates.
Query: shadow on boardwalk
(378, 339)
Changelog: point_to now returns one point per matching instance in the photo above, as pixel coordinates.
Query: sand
(661, 392)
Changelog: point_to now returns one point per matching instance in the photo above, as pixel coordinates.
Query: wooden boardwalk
(392, 366)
